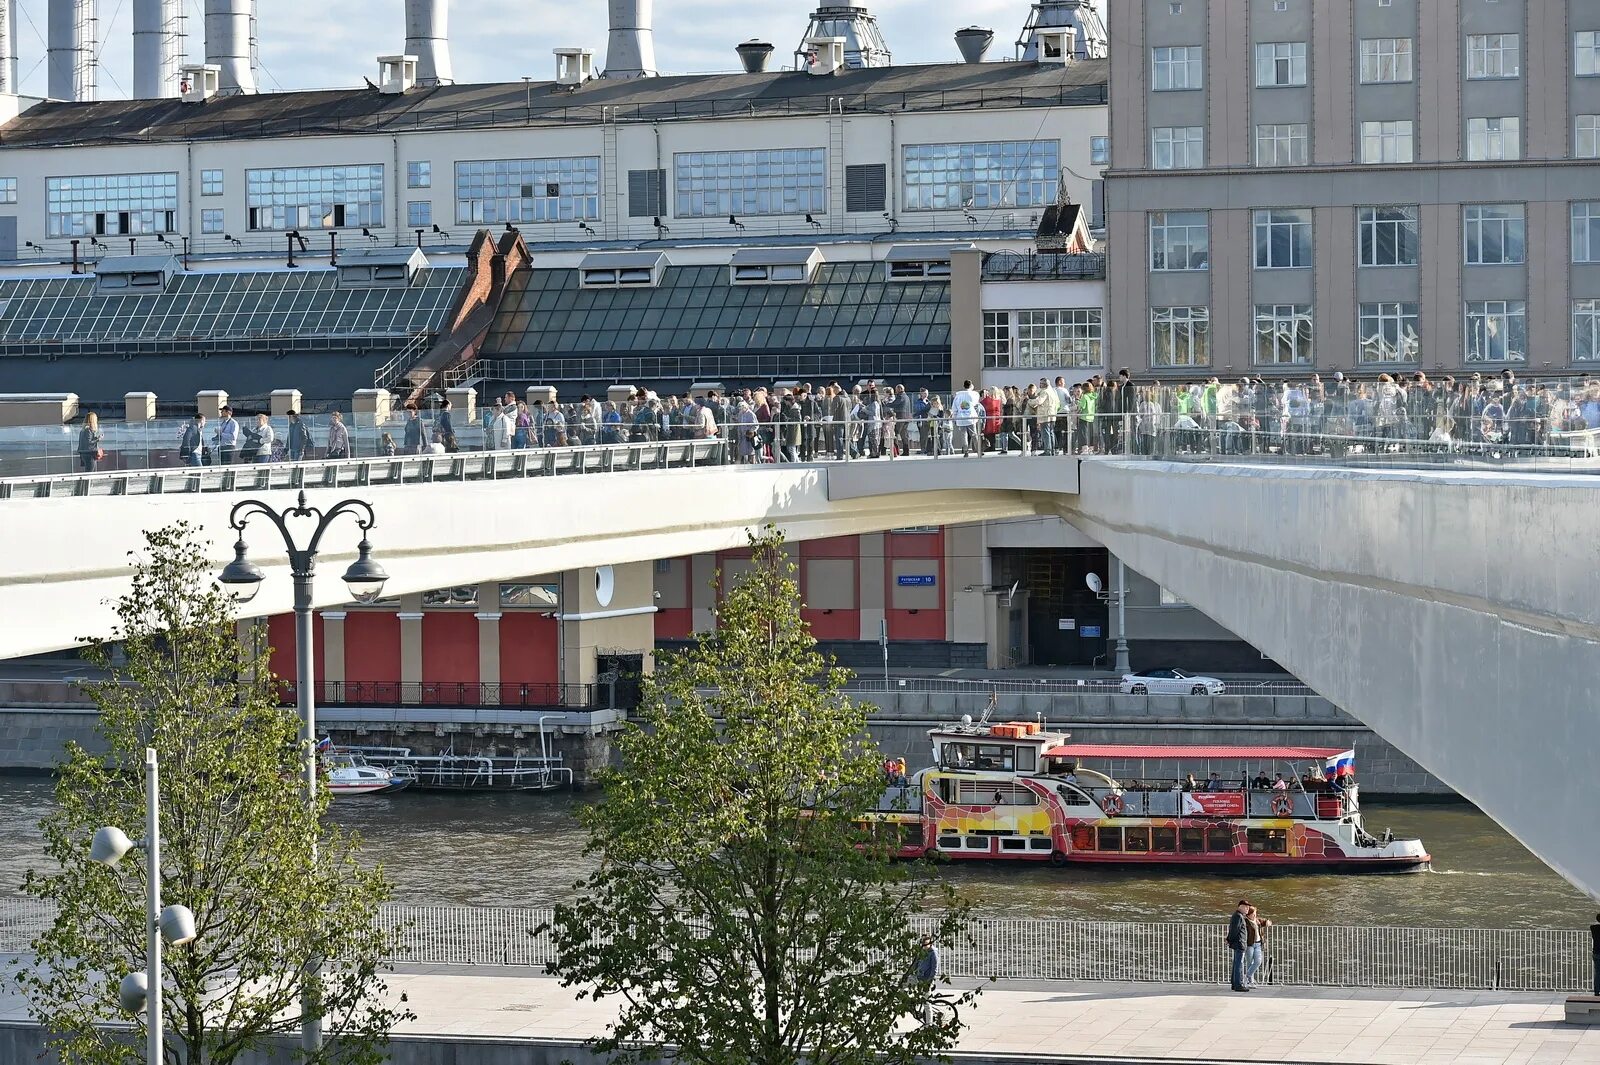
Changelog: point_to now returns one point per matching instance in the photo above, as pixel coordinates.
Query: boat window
(1083, 838)
(1071, 796)
(1041, 843)
(1193, 840)
(1164, 840)
(1110, 839)
(977, 843)
(1026, 759)
(947, 789)
(1013, 844)
(1268, 841)
(1136, 839)
(1219, 839)
(949, 843)
(996, 756)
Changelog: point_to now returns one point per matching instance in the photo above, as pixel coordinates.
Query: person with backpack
(192, 444)
(926, 975)
(1238, 942)
(445, 432)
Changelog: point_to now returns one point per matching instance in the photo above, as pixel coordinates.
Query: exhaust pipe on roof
(157, 48)
(974, 42)
(631, 52)
(755, 55)
(428, 38)
(228, 34)
(8, 51)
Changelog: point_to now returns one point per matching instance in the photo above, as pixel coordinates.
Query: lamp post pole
(365, 579)
(1122, 617)
(155, 1020)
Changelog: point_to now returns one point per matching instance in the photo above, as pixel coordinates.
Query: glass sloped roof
(696, 310)
(269, 304)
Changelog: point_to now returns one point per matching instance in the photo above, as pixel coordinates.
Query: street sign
(916, 580)
(1090, 632)
(1066, 624)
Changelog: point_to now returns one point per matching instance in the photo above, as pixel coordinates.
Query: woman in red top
(992, 407)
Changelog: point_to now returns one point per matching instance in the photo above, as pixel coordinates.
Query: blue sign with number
(1089, 632)
(913, 580)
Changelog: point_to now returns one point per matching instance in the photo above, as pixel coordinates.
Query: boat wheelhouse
(1018, 791)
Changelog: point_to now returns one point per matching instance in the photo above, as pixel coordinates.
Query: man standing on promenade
(1237, 942)
(925, 974)
(1594, 936)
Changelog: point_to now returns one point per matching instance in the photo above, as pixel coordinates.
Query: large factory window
(948, 177)
(315, 197)
(111, 204)
(492, 191)
(777, 181)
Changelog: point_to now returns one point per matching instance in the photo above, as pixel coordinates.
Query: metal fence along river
(1551, 960)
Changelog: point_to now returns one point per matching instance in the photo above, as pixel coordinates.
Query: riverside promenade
(506, 1014)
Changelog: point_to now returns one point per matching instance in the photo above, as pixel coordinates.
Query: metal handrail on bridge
(363, 473)
(984, 686)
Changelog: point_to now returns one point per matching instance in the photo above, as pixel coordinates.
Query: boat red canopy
(1175, 753)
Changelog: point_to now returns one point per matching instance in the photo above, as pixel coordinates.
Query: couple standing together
(1247, 932)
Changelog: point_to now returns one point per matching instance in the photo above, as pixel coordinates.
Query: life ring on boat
(1058, 858)
(1282, 805)
(1113, 805)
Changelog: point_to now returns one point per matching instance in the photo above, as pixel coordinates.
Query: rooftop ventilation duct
(72, 48)
(8, 49)
(632, 50)
(228, 34)
(755, 55)
(974, 42)
(863, 42)
(157, 48)
(428, 38)
(1089, 39)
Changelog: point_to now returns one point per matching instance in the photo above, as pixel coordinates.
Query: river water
(527, 850)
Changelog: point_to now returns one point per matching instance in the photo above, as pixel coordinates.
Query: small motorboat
(348, 774)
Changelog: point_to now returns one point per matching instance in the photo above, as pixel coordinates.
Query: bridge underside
(1454, 615)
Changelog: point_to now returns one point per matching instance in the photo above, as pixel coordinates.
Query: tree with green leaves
(740, 911)
(273, 886)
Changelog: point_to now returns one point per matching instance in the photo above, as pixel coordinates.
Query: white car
(1169, 682)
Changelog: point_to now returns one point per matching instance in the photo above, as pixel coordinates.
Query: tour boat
(1015, 791)
(345, 775)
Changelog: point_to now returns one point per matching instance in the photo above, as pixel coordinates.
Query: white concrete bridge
(1455, 613)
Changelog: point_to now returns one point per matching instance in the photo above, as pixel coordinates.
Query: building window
(1586, 137)
(647, 197)
(1586, 53)
(1283, 334)
(1388, 332)
(1281, 145)
(1283, 240)
(8, 190)
(419, 214)
(111, 205)
(1386, 142)
(211, 183)
(1386, 60)
(1388, 235)
(211, 221)
(1177, 147)
(1059, 338)
(1100, 151)
(1497, 331)
(1494, 138)
(1179, 240)
(996, 339)
(767, 182)
(1585, 330)
(1495, 234)
(314, 197)
(1176, 69)
(1281, 64)
(1494, 55)
(419, 175)
(1586, 232)
(1180, 336)
(948, 177)
(1171, 599)
(491, 191)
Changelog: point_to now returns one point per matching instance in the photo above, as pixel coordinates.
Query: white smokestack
(71, 50)
(632, 51)
(157, 48)
(8, 49)
(228, 43)
(428, 38)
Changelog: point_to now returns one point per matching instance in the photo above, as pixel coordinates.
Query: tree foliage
(737, 910)
(272, 885)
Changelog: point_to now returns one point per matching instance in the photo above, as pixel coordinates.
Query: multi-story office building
(1372, 185)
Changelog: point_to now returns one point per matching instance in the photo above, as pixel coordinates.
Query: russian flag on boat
(325, 745)
(1340, 765)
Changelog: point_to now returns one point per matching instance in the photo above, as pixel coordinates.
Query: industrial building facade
(1370, 185)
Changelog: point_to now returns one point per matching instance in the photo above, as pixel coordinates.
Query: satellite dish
(1093, 581)
(966, 719)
